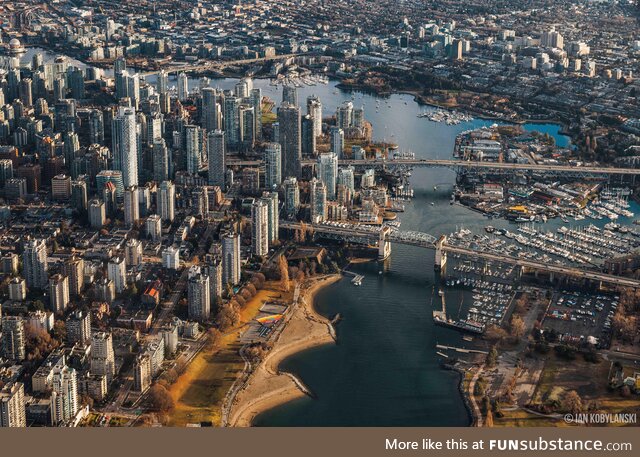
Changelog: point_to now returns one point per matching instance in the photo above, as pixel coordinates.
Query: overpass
(461, 166)
(383, 237)
(220, 64)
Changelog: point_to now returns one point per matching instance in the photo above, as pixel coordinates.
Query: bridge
(384, 236)
(462, 166)
(220, 64)
(496, 167)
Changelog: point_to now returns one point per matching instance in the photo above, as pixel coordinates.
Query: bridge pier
(384, 245)
(441, 255)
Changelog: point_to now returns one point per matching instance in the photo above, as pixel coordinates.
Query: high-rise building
(346, 177)
(61, 187)
(273, 165)
(125, 145)
(114, 177)
(291, 196)
(58, 293)
(271, 199)
(131, 206)
(171, 258)
(231, 258)
(307, 136)
(318, 201)
(96, 127)
(166, 201)
(12, 411)
(154, 127)
(344, 115)
(78, 326)
(246, 115)
(160, 154)
(216, 148)
(79, 195)
(552, 39)
(65, 403)
(34, 259)
(232, 121)
(142, 372)
(260, 228)
(133, 252)
(194, 156)
(97, 213)
(255, 97)
(183, 87)
(153, 227)
(74, 270)
(290, 139)
(314, 109)
(12, 338)
(103, 360)
(200, 203)
(17, 289)
(328, 172)
(290, 95)
(211, 112)
(199, 302)
(117, 272)
(213, 269)
(368, 179)
(6, 171)
(337, 141)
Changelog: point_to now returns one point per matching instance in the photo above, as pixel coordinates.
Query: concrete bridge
(464, 167)
(383, 237)
(220, 64)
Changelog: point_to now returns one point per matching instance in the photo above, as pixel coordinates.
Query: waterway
(384, 371)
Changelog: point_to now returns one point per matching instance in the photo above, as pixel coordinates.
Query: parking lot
(578, 315)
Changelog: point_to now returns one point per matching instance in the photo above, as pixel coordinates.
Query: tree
(38, 342)
(492, 357)
(572, 402)
(495, 333)
(160, 398)
(252, 289)
(59, 330)
(213, 337)
(227, 317)
(284, 273)
(518, 327)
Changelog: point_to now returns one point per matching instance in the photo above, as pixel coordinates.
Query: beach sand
(267, 387)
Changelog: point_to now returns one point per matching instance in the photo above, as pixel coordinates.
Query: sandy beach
(267, 387)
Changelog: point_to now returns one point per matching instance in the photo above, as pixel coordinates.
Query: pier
(461, 350)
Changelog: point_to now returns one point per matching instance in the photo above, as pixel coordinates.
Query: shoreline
(268, 387)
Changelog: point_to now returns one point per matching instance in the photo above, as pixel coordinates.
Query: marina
(446, 116)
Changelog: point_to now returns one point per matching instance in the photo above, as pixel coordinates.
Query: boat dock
(461, 350)
(357, 279)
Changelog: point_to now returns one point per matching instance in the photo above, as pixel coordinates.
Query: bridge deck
(424, 240)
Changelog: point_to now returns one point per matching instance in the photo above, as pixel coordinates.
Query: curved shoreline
(268, 387)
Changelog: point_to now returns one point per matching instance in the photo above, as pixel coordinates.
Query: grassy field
(199, 392)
